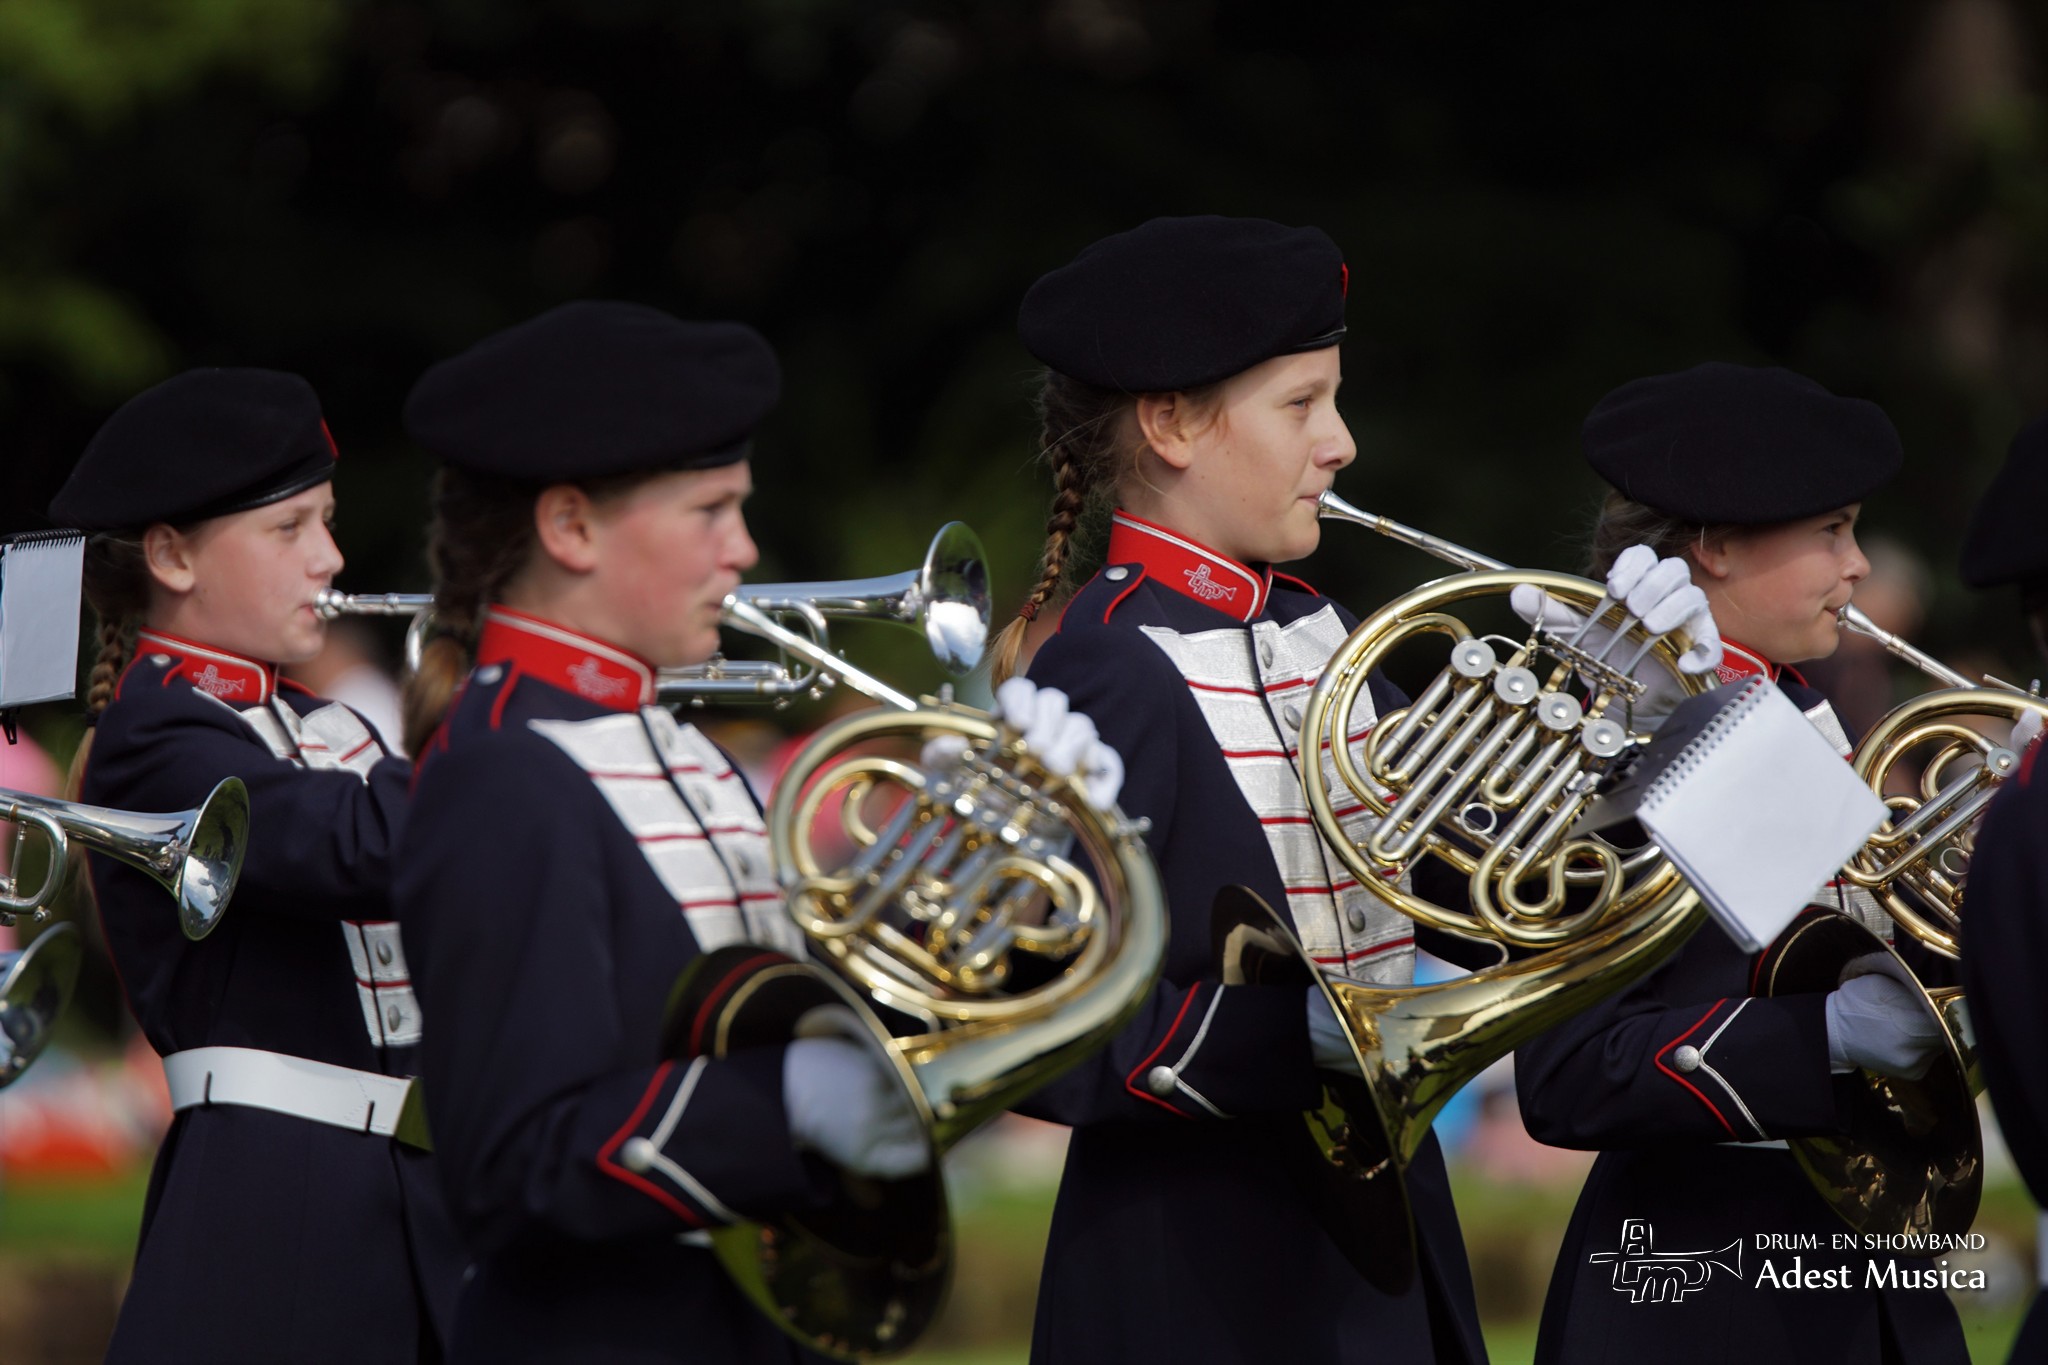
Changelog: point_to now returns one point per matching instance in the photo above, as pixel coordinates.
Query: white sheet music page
(40, 577)
(1759, 812)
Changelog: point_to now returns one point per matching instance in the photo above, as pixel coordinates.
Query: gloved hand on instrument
(1063, 739)
(845, 1105)
(1880, 1025)
(1326, 1041)
(1661, 595)
(2025, 730)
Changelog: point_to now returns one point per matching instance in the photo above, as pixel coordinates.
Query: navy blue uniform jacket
(2005, 955)
(268, 1237)
(570, 850)
(1178, 1235)
(1611, 1079)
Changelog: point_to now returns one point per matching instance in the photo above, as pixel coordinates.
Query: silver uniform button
(1160, 1080)
(1686, 1058)
(159, 659)
(1355, 917)
(1266, 653)
(744, 863)
(1293, 715)
(393, 1017)
(384, 953)
(489, 674)
(1117, 574)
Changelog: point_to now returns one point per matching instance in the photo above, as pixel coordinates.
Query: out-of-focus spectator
(350, 669)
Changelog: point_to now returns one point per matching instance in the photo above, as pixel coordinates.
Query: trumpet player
(290, 1216)
(1685, 1082)
(572, 848)
(1189, 409)
(2007, 894)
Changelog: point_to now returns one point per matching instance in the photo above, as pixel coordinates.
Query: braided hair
(1087, 439)
(116, 580)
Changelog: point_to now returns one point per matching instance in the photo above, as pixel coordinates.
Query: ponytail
(482, 534)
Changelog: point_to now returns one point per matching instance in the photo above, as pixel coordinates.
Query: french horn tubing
(987, 925)
(1487, 771)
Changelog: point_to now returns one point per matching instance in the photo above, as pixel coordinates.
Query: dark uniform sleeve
(320, 841)
(2005, 954)
(1641, 1069)
(1195, 1049)
(509, 914)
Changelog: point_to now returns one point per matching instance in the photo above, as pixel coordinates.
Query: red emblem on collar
(1188, 567)
(219, 674)
(573, 662)
(1739, 662)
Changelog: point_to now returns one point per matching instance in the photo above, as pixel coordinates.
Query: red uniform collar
(573, 662)
(1189, 567)
(228, 677)
(1740, 661)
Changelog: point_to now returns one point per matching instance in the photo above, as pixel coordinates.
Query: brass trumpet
(196, 855)
(1487, 770)
(945, 598)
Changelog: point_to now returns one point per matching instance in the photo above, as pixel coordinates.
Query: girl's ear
(1712, 554)
(565, 527)
(1164, 425)
(168, 553)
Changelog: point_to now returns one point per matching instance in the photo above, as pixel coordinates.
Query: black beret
(2005, 543)
(591, 389)
(203, 444)
(1181, 302)
(1734, 444)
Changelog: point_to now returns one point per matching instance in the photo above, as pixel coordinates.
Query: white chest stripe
(1251, 688)
(335, 738)
(714, 860)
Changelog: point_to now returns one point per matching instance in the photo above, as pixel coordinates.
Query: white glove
(2025, 730)
(1064, 740)
(1326, 1041)
(1876, 1023)
(1658, 592)
(845, 1105)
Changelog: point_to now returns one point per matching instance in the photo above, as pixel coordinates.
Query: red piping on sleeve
(1131, 1081)
(1696, 1092)
(638, 1182)
(732, 978)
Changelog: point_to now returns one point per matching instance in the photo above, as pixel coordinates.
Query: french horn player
(1690, 1081)
(573, 851)
(1190, 415)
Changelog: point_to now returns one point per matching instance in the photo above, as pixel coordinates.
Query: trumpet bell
(35, 986)
(1910, 1158)
(209, 862)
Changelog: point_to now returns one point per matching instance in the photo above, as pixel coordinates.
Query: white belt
(364, 1101)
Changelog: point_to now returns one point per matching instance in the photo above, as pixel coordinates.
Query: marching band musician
(1190, 402)
(2006, 945)
(289, 1216)
(1685, 1082)
(572, 848)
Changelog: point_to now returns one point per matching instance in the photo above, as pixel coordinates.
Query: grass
(75, 1228)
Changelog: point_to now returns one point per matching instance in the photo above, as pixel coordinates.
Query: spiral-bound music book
(1750, 801)
(39, 591)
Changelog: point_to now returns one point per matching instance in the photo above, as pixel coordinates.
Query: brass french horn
(1911, 1158)
(1488, 771)
(988, 926)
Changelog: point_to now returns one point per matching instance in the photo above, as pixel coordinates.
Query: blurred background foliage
(1537, 205)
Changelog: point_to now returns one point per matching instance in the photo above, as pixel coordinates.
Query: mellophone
(987, 925)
